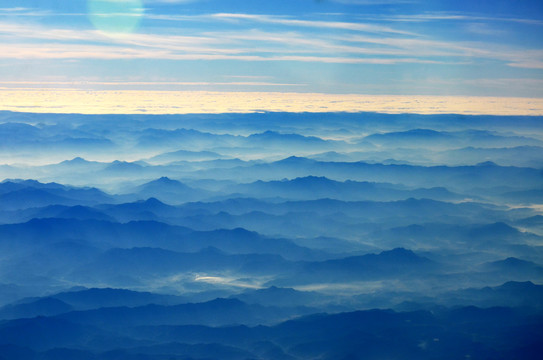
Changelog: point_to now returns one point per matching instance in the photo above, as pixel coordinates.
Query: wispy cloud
(14, 9)
(34, 42)
(78, 51)
(22, 12)
(269, 19)
(238, 18)
(480, 28)
(514, 57)
(444, 16)
(394, 40)
(527, 64)
(92, 44)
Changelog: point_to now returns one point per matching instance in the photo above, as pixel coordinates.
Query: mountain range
(270, 236)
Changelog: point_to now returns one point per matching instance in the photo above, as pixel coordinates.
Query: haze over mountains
(271, 236)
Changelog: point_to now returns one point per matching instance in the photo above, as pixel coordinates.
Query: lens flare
(115, 16)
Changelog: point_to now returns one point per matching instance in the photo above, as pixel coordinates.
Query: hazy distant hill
(39, 307)
(185, 155)
(274, 296)
(169, 191)
(446, 139)
(213, 313)
(312, 187)
(396, 263)
(521, 294)
(526, 156)
(450, 177)
(22, 194)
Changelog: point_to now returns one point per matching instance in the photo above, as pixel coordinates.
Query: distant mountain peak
(398, 251)
(312, 178)
(517, 285)
(513, 262)
(295, 160)
(496, 228)
(487, 163)
(293, 157)
(123, 165)
(75, 160)
(153, 201)
(225, 302)
(22, 181)
(270, 132)
(165, 179)
(156, 188)
(402, 254)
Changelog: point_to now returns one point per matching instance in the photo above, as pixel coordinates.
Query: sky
(368, 47)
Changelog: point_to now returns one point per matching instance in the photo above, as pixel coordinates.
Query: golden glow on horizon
(186, 102)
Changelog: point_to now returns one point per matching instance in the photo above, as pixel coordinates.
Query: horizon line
(163, 102)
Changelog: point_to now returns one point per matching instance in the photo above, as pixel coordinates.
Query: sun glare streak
(115, 16)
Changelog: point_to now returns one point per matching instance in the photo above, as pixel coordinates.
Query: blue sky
(490, 48)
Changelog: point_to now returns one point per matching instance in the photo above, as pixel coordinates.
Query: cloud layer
(62, 100)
